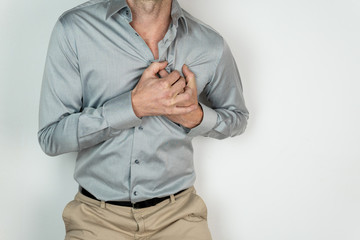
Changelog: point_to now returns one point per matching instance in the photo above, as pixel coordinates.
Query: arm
(64, 126)
(228, 114)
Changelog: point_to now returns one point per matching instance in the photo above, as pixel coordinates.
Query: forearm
(60, 137)
(72, 132)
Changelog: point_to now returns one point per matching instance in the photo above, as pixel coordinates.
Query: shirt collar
(176, 11)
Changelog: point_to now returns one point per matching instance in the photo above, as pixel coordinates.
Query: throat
(152, 34)
(155, 50)
(151, 20)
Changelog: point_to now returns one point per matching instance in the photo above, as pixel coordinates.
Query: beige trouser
(181, 217)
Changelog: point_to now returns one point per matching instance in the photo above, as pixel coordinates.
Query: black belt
(142, 204)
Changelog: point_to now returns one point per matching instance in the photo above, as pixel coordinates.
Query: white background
(293, 175)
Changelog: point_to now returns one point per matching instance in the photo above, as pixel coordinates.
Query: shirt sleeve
(228, 115)
(64, 125)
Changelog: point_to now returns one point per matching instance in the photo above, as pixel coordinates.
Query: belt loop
(103, 204)
(172, 198)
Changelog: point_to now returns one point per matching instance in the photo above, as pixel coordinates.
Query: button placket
(165, 44)
(134, 155)
(136, 162)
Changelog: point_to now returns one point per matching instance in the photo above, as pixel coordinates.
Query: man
(121, 87)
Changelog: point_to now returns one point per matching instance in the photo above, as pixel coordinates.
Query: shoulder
(88, 8)
(202, 31)
(204, 36)
(71, 20)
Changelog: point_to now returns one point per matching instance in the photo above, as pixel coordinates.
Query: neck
(150, 18)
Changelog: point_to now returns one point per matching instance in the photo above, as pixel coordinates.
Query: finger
(172, 77)
(178, 86)
(163, 73)
(154, 68)
(189, 76)
(184, 99)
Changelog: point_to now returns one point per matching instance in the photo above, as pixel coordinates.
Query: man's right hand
(159, 96)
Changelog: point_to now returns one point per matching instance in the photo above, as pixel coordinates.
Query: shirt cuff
(119, 113)
(207, 123)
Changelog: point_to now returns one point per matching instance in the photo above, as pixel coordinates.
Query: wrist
(197, 116)
(134, 104)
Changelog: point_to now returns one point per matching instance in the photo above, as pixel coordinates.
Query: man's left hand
(192, 119)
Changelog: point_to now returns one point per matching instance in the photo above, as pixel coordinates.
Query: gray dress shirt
(94, 60)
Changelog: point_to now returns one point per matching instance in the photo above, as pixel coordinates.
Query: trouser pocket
(66, 214)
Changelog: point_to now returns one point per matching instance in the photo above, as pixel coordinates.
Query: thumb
(189, 77)
(154, 68)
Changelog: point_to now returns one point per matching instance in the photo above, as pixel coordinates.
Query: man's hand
(160, 96)
(193, 118)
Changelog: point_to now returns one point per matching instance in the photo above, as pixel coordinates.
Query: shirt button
(136, 34)
(127, 12)
(137, 161)
(141, 128)
(135, 193)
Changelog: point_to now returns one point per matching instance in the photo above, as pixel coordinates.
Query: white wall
(294, 174)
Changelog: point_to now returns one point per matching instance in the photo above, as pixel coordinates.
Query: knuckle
(155, 64)
(169, 95)
(149, 68)
(163, 73)
(176, 73)
(183, 84)
(164, 97)
(164, 84)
